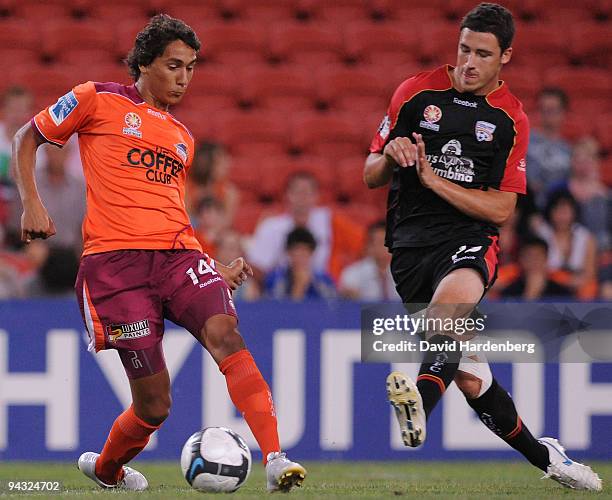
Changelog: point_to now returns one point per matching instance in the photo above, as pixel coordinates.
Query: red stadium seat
(117, 11)
(333, 136)
(50, 81)
(95, 42)
(41, 11)
(306, 44)
(440, 42)
(125, 32)
(591, 43)
(252, 134)
(274, 171)
(248, 216)
(540, 42)
(578, 81)
(384, 44)
(233, 44)
(402, 10)
(261, 11)
(19, 44)
(606, 172)
(523, 81)
(346, 88)
(215, 80)
(338, 11)
(192, 12)
(286, 88)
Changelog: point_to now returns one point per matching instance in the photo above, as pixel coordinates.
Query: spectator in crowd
(591, 194)
(19, 268)
(549, 155)
(64, 196)
(534, 281)
(57, 273)
(209, 177)
(339, 240)
(297, 280)
(211, 222)
(229, 247)
(370, 278)
(16, 110)
(572, 249)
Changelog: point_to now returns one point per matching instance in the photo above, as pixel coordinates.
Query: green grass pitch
(422, 480)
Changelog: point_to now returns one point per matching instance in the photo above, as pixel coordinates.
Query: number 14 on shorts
(204, 268)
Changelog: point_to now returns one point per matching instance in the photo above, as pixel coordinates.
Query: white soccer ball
(216, 459)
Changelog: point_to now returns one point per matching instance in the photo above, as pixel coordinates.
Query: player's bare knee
(468, 384)
(221, 337)
(153, 408)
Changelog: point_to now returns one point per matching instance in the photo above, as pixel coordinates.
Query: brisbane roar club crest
(133, 122)
(432, 115)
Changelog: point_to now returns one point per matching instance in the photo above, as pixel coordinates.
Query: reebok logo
(465, 103)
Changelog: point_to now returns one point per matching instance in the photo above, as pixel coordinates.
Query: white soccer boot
(567, 472)
(132, 479)
(406, 400)
(282, 473)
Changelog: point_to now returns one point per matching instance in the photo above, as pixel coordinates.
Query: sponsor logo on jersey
(464, 249)
(128, 331)
(452, 147)
(63, 107)
(181, 150)
(484, 131)
(161, 165)
(133, 122)
(432, 114)
(469, 104)
(156, 114)
(385, 127)
(451, 165)
(522, 166)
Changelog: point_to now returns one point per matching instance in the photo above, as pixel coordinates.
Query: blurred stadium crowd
(285, 99)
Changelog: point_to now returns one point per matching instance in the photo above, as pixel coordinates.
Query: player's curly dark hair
(154, 38)
(491, 18)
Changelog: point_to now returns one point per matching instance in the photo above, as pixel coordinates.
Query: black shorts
(417, 271)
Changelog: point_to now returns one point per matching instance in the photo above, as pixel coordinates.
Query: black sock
(437, 372)
(497, 411)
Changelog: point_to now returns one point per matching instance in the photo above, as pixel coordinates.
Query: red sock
(128, 436)
(251, 395)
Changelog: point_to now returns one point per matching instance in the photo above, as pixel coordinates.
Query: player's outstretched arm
(379, 167)
(492, 205)
(35, 221)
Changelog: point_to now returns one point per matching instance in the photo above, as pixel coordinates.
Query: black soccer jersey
(478, 142)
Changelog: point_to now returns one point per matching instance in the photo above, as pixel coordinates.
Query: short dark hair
(557, 92)
(491, 18)
(559, 196)
(15, 91)
(532, 240)
(151, 42)
(375, 226)
(301, 235)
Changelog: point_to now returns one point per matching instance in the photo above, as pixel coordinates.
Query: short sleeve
(391, 122)
(68, 115)
(510, 169)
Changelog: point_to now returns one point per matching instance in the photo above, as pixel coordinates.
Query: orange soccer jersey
(134, 159)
